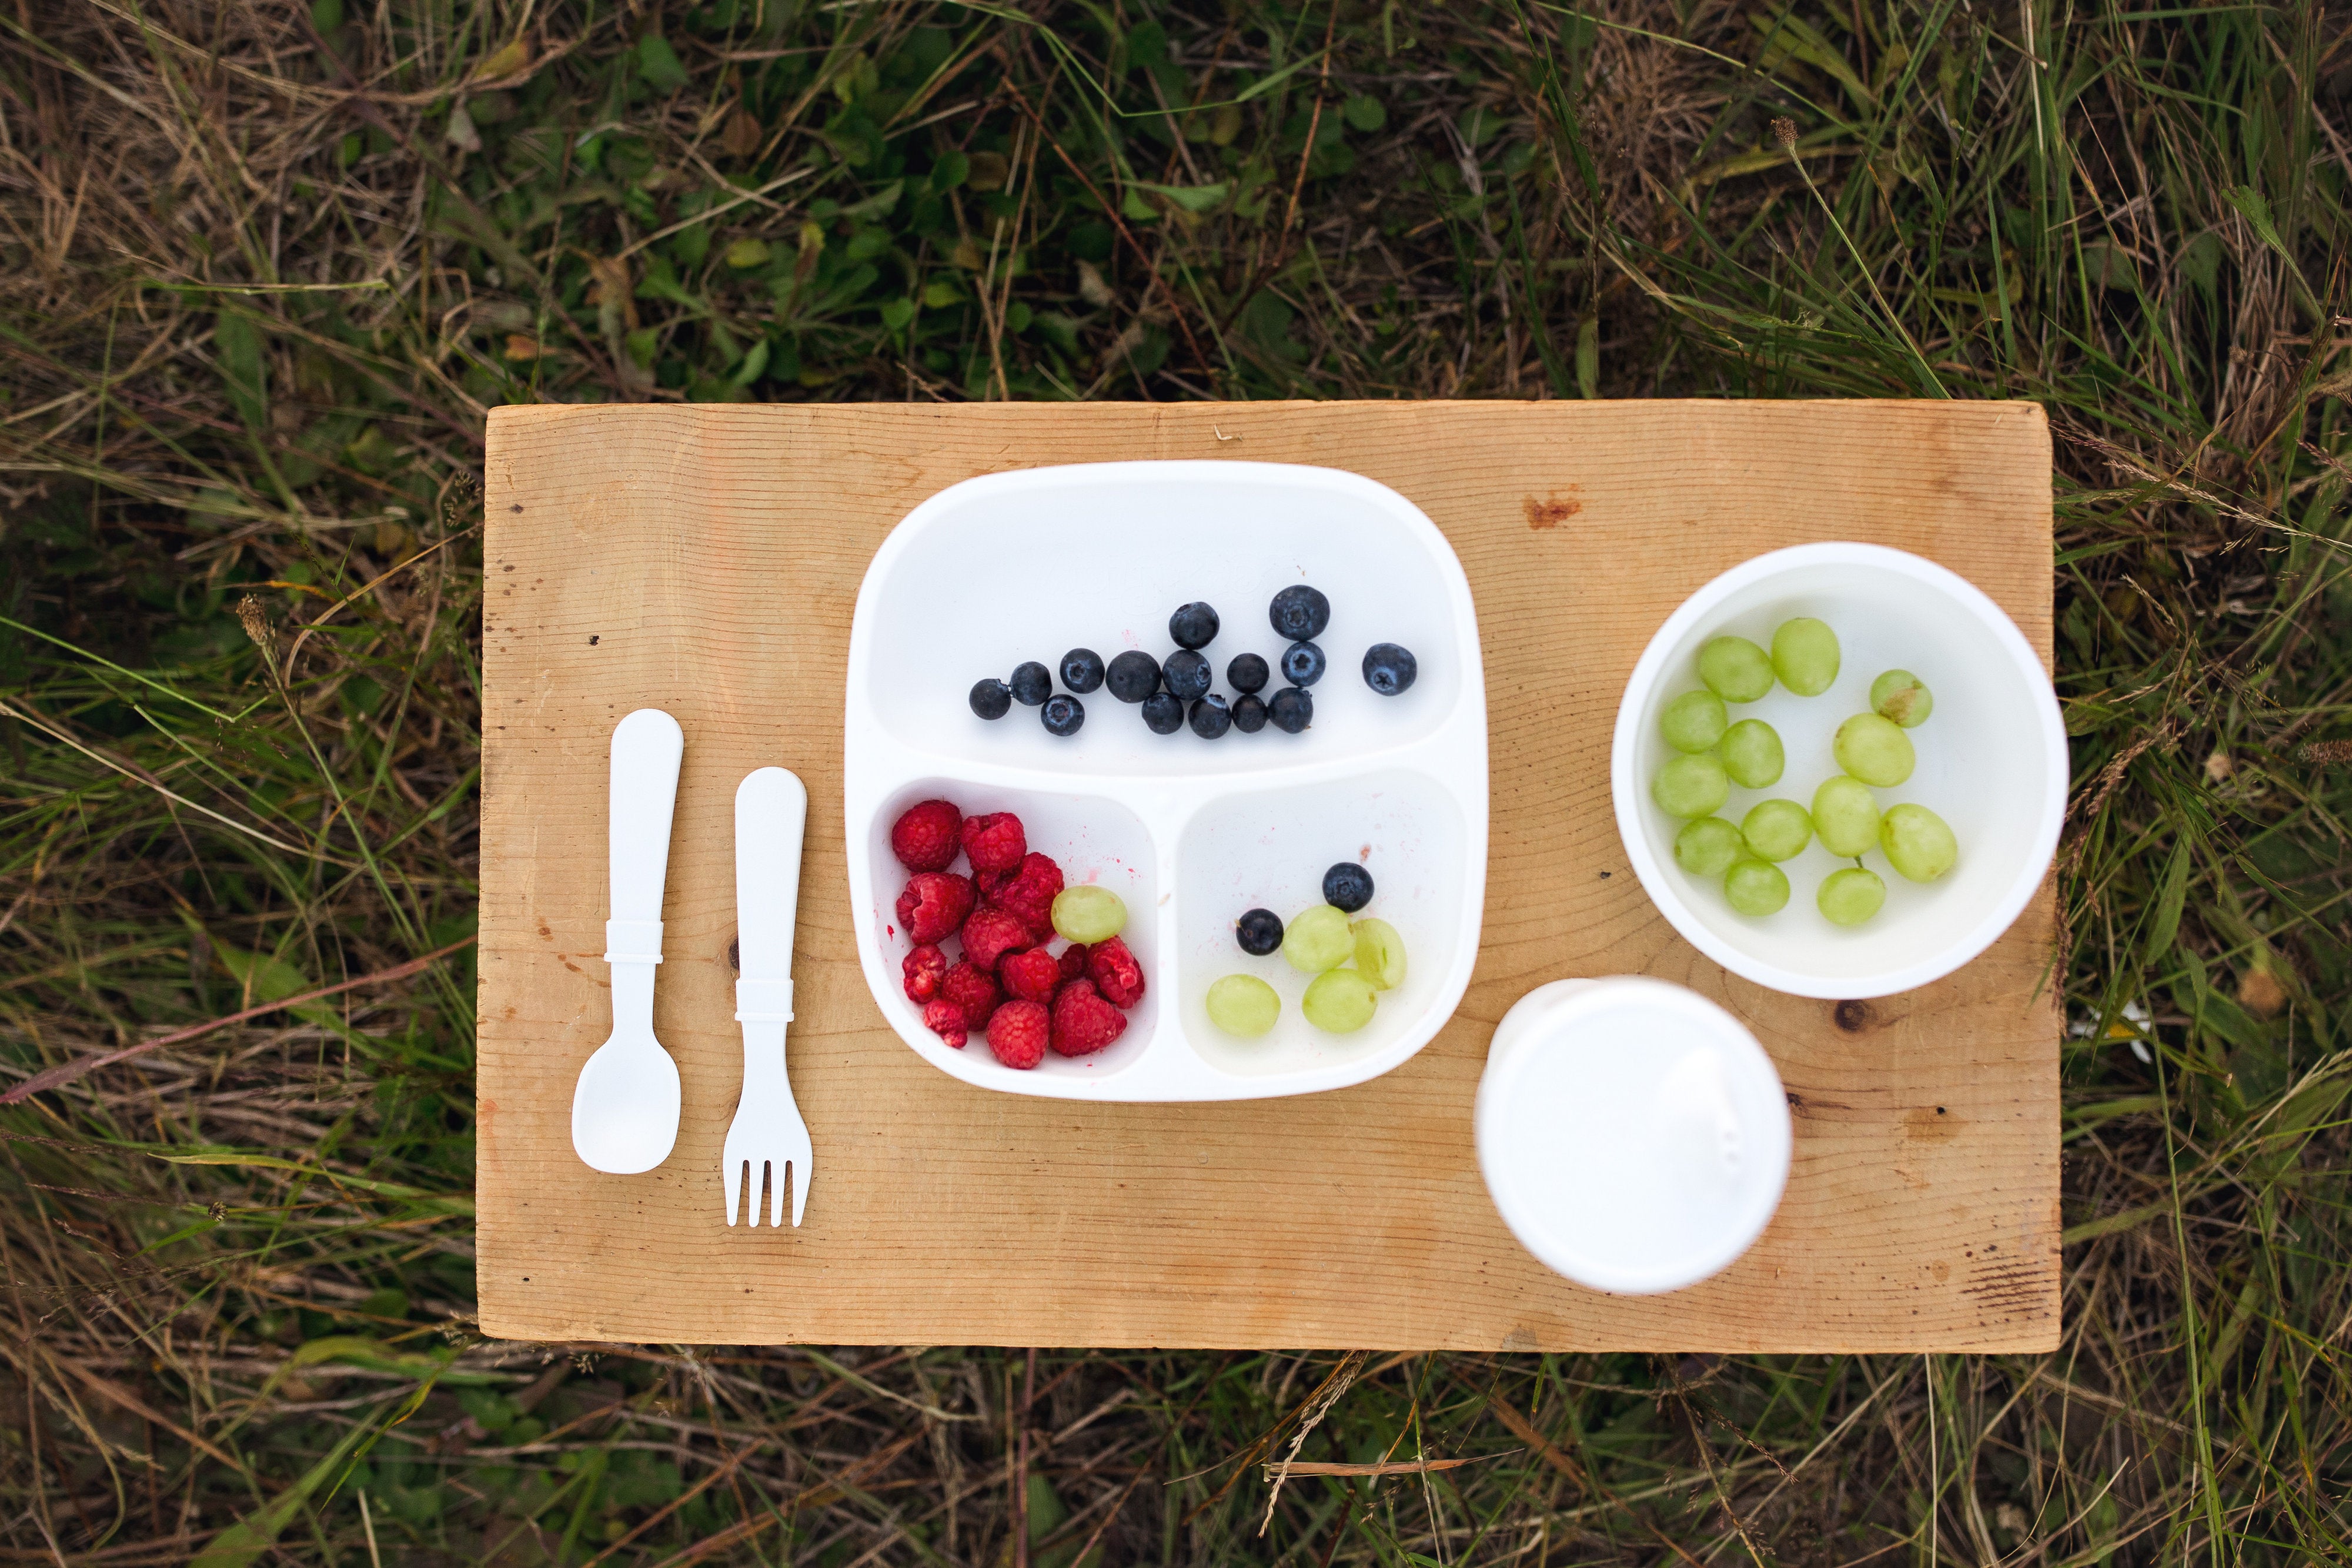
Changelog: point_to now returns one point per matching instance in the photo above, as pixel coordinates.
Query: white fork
(767, 1136)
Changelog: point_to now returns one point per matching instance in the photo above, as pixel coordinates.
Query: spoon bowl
(624, 1108)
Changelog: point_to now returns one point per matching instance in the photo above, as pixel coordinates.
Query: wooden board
(705, 561)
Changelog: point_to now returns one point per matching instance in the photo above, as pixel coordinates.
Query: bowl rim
(1627, 795)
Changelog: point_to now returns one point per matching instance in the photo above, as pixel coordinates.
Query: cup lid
(1633, 1134)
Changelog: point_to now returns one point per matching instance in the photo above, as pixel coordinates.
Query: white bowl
(1633, 1136)
(1190, 832)
(1992, 762)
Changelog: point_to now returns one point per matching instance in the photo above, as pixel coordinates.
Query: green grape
(1902, 696)
(1735, 669)
(1379, 953)
(1752, 755)
(1244, 1005)
(1338, 1002)
(1874, 750)
(1707, 846)
(1693, 721)
(1088, 914)
(1846, 815)
(1805, 655)
(1318, 940)
(1918, 841)
(1756, 887)
(1777, 829)
(1690, 786)
(1851, 896)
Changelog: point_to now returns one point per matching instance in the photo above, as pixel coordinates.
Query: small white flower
(2130, 1026)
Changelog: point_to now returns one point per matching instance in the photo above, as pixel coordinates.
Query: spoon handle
(647, 747)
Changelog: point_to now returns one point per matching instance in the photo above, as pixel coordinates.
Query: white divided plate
(1189, 833)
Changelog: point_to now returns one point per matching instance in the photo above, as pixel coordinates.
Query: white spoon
(625, 1107)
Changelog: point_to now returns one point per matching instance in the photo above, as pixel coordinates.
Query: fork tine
(734, 1176)
(799, 1188)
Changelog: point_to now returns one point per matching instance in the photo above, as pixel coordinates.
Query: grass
(266, 268)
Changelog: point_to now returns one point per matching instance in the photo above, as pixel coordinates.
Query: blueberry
(1164, 714)
(1062, 715)
(1209, 717)
(1187, 675)
(1033, 683)
(990, 698)
(1134, 677)
(1302, 663)
(1299, 613)
(1259, 932)
(1291, 710)
(1249, 715)
(1389, 669)
(1247, 672)
(1082, 669)
(1194, 625)
(1347, 887)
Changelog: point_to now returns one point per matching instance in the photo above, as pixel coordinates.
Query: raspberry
(994, 843)
(1031, 976)
(972, 990)
(924, 836)
(944, 1019)
(991, 933)
(1026, 891)
(1018, 1034)
(1115, 973)
(923, 969)
(1073, 961)
(934, 905)
(1082, 1022)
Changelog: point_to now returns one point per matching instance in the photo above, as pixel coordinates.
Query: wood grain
(705, 560)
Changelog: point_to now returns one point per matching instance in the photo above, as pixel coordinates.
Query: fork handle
(770, 821)
(763, 1002)
(763, 1007)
